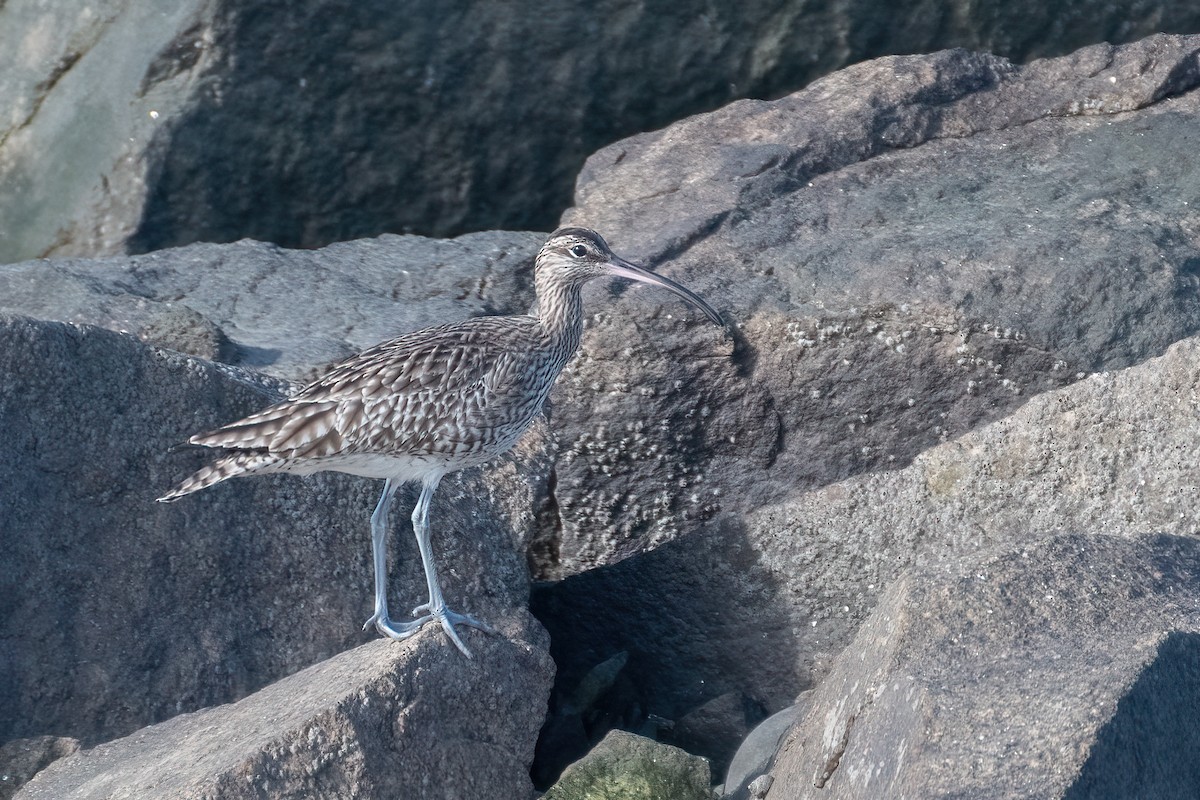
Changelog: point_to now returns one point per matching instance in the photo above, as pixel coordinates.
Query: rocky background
(921, 522)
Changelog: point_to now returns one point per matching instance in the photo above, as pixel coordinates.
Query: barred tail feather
(230, 466)
(279, 428)
(254, 431)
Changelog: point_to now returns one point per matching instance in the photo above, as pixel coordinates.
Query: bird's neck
(560, 311)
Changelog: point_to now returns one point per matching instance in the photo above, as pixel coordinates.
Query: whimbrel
(427, 403)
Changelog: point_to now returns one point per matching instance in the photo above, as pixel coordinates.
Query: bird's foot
(443, 615)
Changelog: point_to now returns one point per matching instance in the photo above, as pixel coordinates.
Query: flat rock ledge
(411, 720)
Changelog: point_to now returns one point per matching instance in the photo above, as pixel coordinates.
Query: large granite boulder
(764, 603)
(1064, 668)
(135, 127)
(381, 721)
(119, 612)
(281, 312)
(908, 248)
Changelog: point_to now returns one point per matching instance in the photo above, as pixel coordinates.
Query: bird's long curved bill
(620, 268)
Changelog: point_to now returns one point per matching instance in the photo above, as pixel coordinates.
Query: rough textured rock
(628, 767)
(384, 720)
(282, 312)
(119, 611)
(1063, 668)
(763, 604)
(877, 313)
(909, 248)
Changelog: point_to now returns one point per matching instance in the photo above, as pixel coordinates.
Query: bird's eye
(578, 250)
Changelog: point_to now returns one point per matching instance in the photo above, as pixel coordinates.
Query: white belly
(376, 465)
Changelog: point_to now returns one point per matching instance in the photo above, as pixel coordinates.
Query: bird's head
(574, 256)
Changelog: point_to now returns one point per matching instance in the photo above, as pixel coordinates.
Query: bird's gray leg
(379, 531)
(437, 604)
(379, 519)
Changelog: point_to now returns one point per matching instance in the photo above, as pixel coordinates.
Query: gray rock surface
(755, 753)
(85, 91)
(909, 248)
(877, 315)
(764, 603)
(1062, 668)
(119, 611)
(129, 125)
(384, 720)
(282, 312)
(628, 767)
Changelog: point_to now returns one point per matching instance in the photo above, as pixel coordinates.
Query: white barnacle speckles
(799, 335)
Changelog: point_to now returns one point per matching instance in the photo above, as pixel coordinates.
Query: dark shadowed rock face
(119, 611)
(130, 126)
(1065, 668)
(412, 720)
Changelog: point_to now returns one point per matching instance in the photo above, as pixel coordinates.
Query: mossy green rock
(628, 767)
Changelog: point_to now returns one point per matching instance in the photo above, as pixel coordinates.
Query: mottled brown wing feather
(420, 393)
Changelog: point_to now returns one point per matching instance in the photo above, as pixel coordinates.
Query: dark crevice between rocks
(632, 645)
(835, 758)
